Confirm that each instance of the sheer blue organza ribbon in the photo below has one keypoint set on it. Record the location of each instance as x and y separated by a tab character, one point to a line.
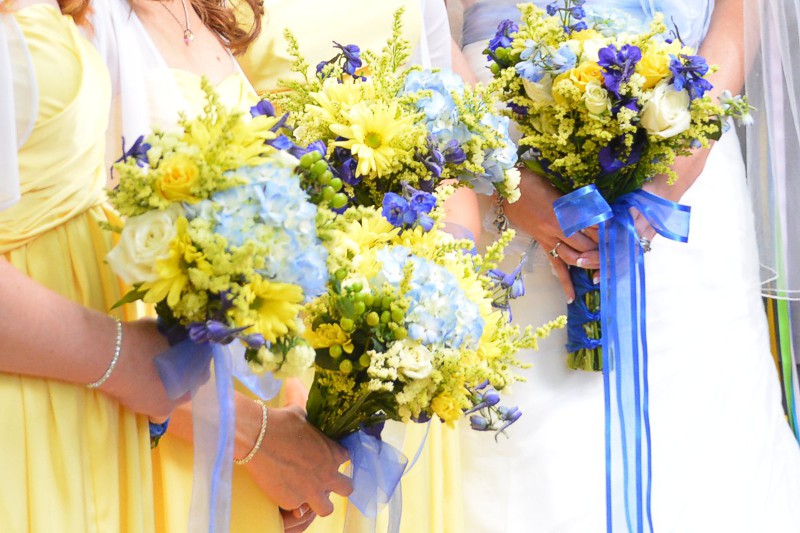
624	342
377	468
185	369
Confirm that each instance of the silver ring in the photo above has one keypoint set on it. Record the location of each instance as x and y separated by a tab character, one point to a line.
554	251
644	242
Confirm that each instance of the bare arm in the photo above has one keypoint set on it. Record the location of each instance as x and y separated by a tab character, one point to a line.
45	335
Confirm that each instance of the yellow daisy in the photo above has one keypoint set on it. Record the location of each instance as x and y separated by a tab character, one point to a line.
374	136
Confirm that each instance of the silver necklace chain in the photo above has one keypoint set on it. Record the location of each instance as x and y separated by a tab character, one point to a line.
188	35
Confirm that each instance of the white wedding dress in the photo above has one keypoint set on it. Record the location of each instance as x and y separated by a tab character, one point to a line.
724	458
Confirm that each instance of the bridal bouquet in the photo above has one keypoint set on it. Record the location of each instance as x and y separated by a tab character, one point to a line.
220	236
412	325
384	126
599	105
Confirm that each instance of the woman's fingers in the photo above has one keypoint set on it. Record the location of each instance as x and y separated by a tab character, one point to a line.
562	272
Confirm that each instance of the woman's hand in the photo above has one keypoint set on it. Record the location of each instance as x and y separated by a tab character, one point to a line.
296	463
534	214
688	169
297	520
135	382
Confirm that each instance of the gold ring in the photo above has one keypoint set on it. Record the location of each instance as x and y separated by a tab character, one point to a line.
554	251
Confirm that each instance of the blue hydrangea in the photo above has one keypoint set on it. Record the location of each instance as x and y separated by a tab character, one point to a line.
496	160
441	115
439	312
273	210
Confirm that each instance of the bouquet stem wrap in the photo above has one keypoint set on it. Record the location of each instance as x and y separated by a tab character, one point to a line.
377	468
185	369
624	339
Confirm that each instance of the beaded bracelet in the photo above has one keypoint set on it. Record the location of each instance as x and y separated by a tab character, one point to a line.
247	458
117	351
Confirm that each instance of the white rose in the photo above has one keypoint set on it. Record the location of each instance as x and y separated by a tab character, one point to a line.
539	91
511	184
666	114
596	98
415	359
592	47
145	239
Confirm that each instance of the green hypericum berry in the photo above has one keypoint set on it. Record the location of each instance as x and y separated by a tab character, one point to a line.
360	307
346	366
347	324
364	360
339	200
341	274
386	317
335	351
400	333
337	184
328	193
373	319
307	160
398	315
495	68
325	178
369	299
319	167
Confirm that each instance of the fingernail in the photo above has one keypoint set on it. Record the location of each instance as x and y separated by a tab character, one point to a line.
583	262
596	280
570	300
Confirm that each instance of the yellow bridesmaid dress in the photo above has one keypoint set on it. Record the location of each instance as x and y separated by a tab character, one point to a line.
71	459
432	488
173	459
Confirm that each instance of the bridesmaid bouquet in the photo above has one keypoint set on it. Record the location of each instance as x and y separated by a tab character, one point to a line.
603	107
411	325
384	126
220	236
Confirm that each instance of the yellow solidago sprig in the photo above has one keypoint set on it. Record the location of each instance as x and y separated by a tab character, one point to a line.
227	248
386	126
410	323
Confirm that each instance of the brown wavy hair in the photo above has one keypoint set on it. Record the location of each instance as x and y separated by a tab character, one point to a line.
228	22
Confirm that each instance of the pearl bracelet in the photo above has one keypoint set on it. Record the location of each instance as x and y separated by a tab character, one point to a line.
117	351
247	458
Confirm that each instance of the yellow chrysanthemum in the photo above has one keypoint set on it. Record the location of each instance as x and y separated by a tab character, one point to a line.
374	136
274	309
335	98
327	335
172	272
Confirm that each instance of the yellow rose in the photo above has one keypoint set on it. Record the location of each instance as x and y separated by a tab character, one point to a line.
585	35
446	408
654	66
177	176
579	77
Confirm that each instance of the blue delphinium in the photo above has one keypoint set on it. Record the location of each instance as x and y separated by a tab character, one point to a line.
439	311
688	72
138	151
407	212
501	39
487	413
348	59
618	65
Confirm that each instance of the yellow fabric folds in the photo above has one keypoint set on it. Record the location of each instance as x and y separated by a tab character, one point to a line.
72	459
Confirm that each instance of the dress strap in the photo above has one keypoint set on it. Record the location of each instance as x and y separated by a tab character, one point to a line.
19	100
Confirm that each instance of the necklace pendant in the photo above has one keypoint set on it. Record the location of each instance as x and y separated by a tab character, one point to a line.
188	36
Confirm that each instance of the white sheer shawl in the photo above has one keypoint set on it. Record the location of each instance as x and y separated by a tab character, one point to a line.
19	100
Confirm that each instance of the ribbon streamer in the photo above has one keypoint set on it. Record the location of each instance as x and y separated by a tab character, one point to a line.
624	342
377	469
185	369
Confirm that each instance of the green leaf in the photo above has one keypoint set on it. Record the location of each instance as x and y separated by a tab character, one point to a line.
133	295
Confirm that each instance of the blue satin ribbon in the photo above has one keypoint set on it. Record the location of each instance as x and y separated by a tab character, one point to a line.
185	369
624	342
377	469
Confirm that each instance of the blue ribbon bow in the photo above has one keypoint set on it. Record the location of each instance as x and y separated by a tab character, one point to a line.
624	339
185	369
